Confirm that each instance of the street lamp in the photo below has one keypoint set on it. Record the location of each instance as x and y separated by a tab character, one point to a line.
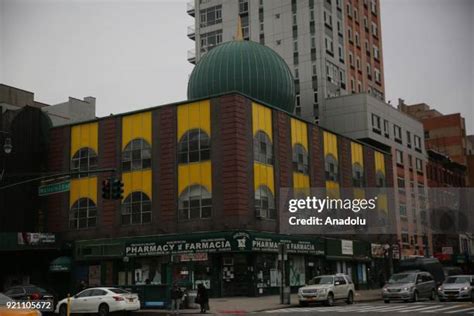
7	148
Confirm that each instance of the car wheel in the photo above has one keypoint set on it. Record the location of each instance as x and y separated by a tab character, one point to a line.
472	296
103	310
303	304
350	298
415	296
433	295
386	301
330	300
63	310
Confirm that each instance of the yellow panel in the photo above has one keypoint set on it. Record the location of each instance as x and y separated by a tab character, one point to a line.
137	181
83	188
194	173
299	133
379	162
382	203
84	135
263	175
300	181
194	115
359	193
330	145
136	126
262	119
356	154
332	190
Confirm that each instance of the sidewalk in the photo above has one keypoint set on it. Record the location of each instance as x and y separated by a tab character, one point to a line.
244	305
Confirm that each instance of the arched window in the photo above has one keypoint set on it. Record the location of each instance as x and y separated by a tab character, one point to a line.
300	159
194	146
380	178
136	155
357	175
136	209
331	168
83	214
264	203
195	202
263	148
85	159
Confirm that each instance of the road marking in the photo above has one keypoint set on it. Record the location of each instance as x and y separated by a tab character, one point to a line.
442	309
421	308
460	310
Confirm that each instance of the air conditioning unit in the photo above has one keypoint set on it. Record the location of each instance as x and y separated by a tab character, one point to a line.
261	213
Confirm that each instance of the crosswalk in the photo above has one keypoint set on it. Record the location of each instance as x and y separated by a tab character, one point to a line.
421	308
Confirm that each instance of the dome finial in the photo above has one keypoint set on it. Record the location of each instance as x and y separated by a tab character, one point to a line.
238	34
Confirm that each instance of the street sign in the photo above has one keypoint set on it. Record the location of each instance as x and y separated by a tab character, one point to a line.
54	188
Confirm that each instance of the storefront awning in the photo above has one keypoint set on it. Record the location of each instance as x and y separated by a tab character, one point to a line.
60	264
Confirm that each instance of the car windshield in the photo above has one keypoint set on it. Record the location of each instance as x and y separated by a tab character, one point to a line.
402	278
458	279
322	280
119	291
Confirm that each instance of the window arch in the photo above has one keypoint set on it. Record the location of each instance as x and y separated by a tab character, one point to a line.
358	180
195	202
263	148
84	159
194	146
300	159
136	209
136	155
264	203
331	168
83	214
380	178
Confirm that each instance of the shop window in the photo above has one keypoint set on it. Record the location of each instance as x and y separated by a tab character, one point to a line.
136	209
194	146
357	175
195	202
300	159
331	168
380	179
83	214
136	155
85	159
263	148
264	203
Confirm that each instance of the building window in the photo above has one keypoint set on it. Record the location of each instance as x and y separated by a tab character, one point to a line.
373	6
418	143
403	210
328	19
366	23
264	203
211	39
397	132
194	146
374	29
349	34
339	28
83	214
136	155
341	54
294	19
408	139
136	209
401	183
377	76
357	175
331	168
358	64
419	165
380	179
85	159
376	53
300	159
211	16
357	39
376	125
399	157
243	6
329	46
262	148
311	15
194	202
351	59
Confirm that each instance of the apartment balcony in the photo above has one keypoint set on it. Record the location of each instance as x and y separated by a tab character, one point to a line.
191	32
192	56
190	8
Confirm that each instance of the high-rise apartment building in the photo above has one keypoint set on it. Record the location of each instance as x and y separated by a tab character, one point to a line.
318	39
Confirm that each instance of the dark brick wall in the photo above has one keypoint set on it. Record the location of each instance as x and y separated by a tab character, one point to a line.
345	161
317	157
369	166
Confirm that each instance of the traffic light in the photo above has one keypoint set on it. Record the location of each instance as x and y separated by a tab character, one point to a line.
106	189
117	189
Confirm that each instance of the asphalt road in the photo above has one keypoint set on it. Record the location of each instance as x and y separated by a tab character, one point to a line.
374	308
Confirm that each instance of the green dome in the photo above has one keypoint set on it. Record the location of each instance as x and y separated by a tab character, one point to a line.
247	67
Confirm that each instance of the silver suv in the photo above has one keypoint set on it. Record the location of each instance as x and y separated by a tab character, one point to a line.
457	287
327	289
409	286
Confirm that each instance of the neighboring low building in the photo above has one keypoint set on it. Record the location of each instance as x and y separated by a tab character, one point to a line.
363	117
71	111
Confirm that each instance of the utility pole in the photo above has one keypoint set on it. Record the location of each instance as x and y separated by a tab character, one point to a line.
284	286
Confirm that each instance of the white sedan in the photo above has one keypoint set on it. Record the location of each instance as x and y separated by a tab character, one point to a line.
100	300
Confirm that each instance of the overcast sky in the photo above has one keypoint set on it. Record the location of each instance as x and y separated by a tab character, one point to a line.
132	54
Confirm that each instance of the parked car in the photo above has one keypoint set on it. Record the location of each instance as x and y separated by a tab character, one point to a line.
449	271
6	311
327	289
28	292
431	265
409	286
457	287
102	300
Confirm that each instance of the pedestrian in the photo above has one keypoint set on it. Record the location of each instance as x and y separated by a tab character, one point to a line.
202	298
176	296
82	286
